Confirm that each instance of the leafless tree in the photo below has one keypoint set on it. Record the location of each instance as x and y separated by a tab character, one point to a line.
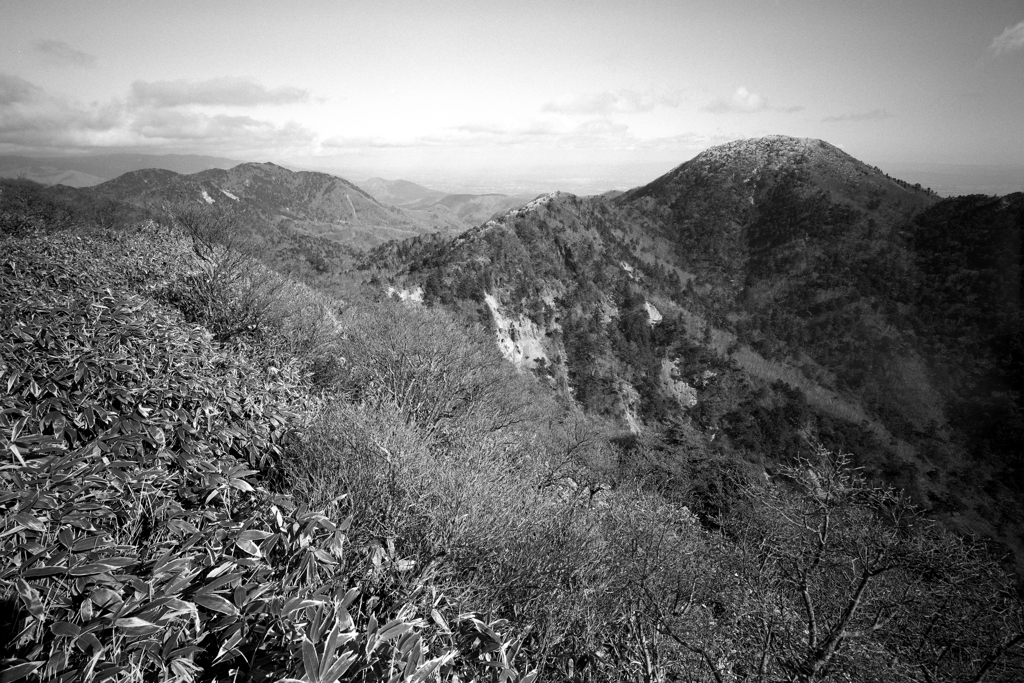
830	578
232	292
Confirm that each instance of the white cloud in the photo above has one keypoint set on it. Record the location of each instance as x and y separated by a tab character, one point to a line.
343	143
688	141
219	131
599	133
197	117
873	115
742	101
610	102
465	135
29	116
232	92
1009	40
33	120
548	135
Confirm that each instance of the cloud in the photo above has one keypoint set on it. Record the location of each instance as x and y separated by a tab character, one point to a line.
232	92
873	115
59	52
342	143
465	135
32	119
546	133
593	134
688	141
219	130
1009	40
742	101
521	130
609	102
14	90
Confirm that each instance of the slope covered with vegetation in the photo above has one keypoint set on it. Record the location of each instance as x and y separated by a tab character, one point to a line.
764	297
273	199
214	472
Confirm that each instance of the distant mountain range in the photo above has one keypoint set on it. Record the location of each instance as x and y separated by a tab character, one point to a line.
469	209
306	223
423	206
84	171
400	192
764	296
315	203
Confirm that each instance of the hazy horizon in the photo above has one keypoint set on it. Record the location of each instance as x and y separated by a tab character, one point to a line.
945	179
509	94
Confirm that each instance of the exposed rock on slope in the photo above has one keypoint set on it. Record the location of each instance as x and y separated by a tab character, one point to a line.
805	296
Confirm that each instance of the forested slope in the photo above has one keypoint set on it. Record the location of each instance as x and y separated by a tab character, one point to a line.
212	471
762	298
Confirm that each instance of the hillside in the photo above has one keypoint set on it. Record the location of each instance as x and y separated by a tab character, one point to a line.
45	173
306	223
399	192
765	296
464	210
216	472
271	196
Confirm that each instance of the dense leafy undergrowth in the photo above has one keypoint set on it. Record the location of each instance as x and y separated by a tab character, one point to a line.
213	473
138	538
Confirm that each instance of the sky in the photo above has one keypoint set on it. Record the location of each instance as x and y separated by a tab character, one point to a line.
502	94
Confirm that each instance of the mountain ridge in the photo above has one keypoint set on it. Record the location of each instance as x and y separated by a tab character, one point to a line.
88	170
729	411
772	260
467	209
273	198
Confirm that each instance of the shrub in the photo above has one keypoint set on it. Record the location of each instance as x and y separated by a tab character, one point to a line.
131	461
137	540
228	291
239	299
830	578
432	372
26	207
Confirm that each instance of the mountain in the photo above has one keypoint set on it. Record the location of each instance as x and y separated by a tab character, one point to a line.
308	224
466	210
274	198
45	173
474	209
764	296
399	192
85	171
194	435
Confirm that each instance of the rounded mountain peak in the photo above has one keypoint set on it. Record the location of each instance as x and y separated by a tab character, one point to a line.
771	152
746	169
